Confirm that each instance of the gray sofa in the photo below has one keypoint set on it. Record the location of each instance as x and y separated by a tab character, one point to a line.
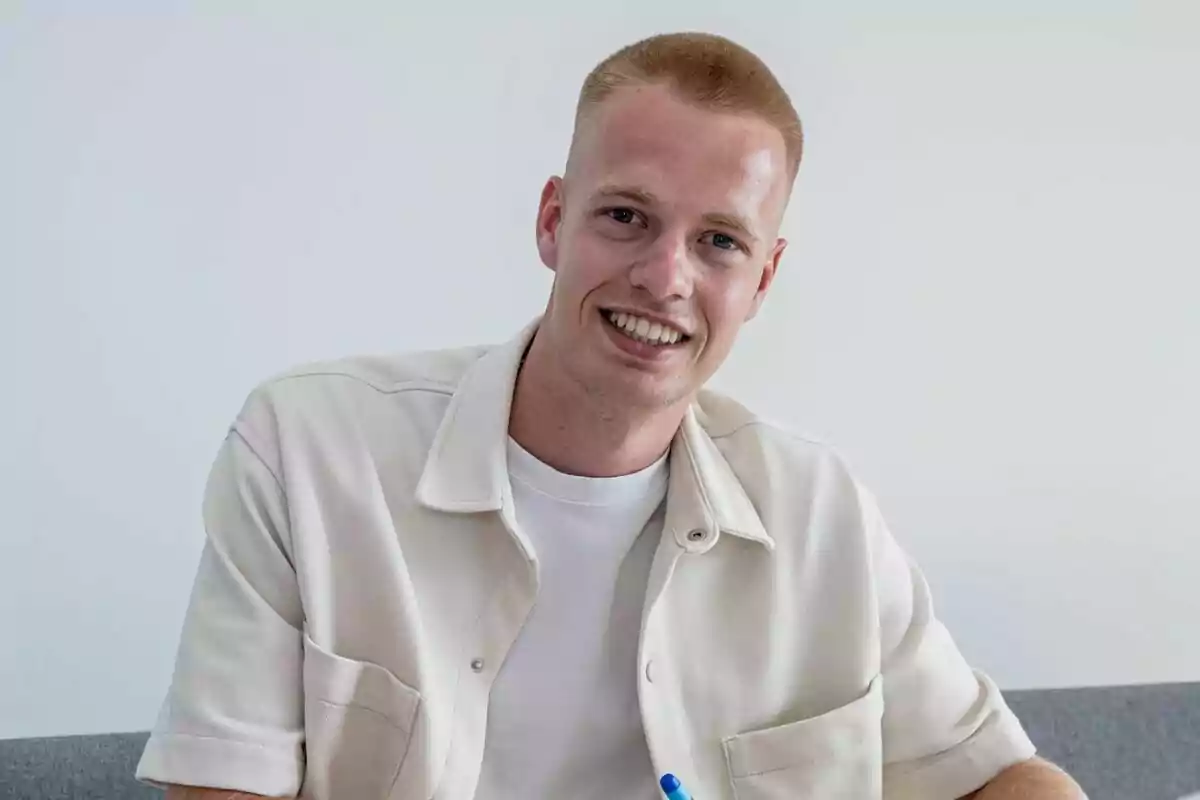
1122	743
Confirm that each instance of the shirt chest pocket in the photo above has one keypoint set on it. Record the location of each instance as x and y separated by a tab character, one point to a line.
836	755
358	720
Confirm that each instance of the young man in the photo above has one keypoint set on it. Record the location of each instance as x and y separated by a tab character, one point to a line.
558	567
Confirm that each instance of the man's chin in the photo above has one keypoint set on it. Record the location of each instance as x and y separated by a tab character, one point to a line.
651	392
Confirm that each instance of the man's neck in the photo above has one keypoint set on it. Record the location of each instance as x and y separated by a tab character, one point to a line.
572	430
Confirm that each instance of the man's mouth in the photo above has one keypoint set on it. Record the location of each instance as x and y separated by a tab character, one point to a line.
644	330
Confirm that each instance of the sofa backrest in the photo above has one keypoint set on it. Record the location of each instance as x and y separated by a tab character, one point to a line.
1135	742
1121	743
96	767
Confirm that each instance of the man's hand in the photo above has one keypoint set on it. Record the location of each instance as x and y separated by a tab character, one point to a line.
1036	779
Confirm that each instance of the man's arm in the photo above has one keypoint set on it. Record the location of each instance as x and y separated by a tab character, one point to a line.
234	713
946	727
1036	779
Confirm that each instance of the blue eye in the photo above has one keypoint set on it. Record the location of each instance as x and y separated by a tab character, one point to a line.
723	242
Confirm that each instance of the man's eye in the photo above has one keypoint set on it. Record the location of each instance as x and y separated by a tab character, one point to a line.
625	216
725	242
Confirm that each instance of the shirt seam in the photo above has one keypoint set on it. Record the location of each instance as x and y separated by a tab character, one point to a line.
418	384
729	770
375	712
237	431
773	427
288	547
169	734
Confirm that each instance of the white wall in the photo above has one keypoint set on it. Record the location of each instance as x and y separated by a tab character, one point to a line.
990	304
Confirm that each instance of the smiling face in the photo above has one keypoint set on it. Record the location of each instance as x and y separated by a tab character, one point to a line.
663	240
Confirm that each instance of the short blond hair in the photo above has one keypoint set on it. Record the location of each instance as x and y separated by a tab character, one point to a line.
705	69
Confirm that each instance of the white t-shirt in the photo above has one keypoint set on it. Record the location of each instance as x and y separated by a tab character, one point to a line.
563	717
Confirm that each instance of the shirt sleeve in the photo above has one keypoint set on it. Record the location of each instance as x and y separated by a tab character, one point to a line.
233	716
946	728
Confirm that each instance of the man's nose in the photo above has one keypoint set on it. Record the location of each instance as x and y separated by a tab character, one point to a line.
665	269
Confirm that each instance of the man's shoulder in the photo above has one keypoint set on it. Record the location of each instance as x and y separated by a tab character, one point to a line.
731	424
383	374
349	388
785	473
757	448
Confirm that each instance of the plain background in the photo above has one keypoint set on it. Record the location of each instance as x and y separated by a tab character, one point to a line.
990	303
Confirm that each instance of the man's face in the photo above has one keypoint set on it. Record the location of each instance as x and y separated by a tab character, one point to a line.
662	237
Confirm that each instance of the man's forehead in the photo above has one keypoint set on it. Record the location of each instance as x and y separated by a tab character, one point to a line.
650	118
650	140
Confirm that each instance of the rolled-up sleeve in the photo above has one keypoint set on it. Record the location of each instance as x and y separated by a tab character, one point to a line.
946	728
233	716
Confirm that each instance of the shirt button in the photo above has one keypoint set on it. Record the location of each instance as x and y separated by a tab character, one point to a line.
696	536
477	665
650	671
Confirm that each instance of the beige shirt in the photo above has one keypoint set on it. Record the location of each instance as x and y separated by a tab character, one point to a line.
364	578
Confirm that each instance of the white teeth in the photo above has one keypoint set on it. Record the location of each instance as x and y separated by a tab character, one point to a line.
643	330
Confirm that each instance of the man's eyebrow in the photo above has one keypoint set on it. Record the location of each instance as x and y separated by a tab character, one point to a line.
732	222
628	193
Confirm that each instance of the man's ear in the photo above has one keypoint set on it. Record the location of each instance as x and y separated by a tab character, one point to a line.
549	221
767	278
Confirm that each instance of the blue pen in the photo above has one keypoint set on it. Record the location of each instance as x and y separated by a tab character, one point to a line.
673	788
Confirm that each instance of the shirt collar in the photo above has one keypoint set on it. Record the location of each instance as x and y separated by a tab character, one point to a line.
467	469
